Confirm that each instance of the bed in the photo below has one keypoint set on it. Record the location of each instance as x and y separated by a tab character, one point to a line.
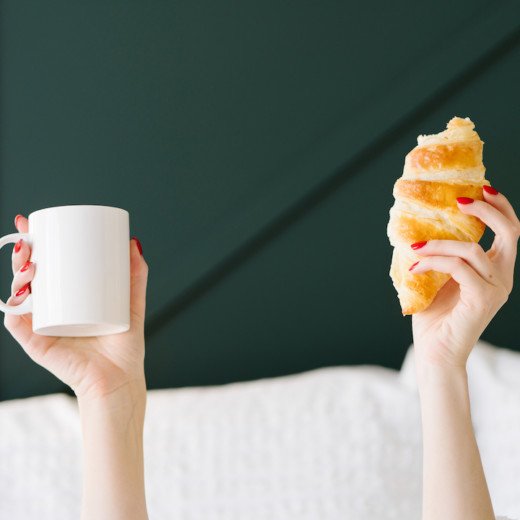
330	443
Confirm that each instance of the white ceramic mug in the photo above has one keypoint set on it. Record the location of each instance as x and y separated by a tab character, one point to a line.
81	283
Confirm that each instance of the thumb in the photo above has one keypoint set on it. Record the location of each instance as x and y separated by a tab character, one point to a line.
138	281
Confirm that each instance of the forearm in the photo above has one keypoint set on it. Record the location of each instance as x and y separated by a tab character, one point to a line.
454	485
113	465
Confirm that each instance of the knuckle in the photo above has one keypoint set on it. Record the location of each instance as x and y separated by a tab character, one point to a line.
490	295
458	262
516	231
513	233
479	302
475	249
502	293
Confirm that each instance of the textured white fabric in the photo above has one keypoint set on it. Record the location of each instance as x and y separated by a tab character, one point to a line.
330	444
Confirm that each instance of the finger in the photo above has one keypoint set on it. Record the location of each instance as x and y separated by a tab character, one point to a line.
19	326
24	275
506	231
470	282
20	255
21	329
138	283
21	250
471	252
500	202
21	223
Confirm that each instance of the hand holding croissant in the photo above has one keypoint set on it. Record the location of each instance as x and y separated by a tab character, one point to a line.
443	277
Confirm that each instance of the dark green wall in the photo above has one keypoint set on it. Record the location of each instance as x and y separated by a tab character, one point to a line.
255	145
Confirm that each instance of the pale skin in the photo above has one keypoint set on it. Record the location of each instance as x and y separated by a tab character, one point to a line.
107	375
454	485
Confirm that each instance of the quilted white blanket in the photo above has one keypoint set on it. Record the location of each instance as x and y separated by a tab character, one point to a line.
329	444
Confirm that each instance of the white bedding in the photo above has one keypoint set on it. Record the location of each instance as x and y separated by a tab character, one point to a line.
330	444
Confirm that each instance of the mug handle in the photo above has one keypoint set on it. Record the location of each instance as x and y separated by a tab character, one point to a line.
26	305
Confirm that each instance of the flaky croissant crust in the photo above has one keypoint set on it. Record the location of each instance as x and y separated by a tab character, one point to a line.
439	169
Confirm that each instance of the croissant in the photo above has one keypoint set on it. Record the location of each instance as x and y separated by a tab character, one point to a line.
439	169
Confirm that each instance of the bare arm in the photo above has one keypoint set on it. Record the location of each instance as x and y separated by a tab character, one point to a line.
107	376
454	485
113	466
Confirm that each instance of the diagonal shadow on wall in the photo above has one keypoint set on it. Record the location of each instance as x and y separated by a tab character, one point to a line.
327	186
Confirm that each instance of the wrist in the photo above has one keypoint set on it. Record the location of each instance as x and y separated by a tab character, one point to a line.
436	375
125	402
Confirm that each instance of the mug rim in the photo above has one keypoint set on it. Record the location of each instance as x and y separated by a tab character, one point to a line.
77	206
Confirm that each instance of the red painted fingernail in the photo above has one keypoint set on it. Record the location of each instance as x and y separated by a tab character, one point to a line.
23	289
412	266
464	200
26	266
16	220
18	245
139	246
418	245
490	190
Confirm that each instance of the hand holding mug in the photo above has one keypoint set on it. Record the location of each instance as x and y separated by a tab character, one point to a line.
92	365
